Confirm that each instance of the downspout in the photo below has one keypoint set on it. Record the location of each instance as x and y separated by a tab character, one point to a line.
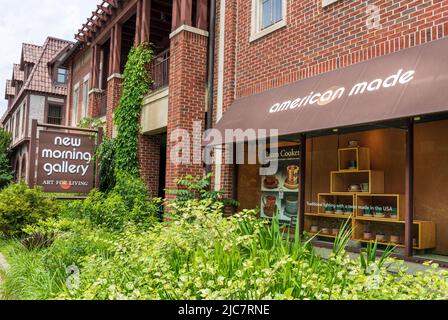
211	72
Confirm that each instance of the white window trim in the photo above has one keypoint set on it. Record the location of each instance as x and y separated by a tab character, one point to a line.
75	109
85	104
256	31
328	2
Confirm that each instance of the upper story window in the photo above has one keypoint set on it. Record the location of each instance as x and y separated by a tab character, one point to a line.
54	114
267	16
62	76
271	11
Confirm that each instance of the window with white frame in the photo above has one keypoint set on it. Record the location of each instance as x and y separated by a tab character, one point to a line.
267	16
75	105
85	97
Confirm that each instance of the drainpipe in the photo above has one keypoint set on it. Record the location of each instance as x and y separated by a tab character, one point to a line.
211	71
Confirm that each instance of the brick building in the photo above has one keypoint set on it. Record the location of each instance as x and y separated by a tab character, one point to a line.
37	90
178	32
279	62
269	58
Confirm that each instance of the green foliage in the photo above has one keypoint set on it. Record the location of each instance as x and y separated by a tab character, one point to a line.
5	140
371	261
136	83
190	188
106	154
127	203
5	168
201	255
21	206
92	123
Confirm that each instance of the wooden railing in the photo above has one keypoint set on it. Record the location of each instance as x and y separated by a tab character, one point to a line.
160	70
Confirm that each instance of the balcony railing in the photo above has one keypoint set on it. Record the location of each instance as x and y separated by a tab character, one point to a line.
103	104
160	70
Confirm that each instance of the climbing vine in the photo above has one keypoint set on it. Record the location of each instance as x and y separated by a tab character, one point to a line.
136	84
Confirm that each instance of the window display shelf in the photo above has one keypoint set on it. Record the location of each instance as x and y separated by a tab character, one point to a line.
336	203
423	232
321	235
351	182
329	215
353	159
370	206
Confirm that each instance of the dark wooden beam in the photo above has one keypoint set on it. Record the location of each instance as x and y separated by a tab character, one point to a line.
302	175
145	21
409	215
202	14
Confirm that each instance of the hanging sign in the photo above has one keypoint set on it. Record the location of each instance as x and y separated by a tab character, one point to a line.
65	162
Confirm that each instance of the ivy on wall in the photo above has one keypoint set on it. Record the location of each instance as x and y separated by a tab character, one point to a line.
136	84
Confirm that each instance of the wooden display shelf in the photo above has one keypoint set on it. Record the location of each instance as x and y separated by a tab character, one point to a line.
424	232
328	215
335	199
321	235
359	154
341	180
380	200
384	243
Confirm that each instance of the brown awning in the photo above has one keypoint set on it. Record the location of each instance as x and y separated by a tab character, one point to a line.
409	83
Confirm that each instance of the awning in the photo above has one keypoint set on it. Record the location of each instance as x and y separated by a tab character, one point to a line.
408	83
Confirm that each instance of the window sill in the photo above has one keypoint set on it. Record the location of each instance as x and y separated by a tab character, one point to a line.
268	30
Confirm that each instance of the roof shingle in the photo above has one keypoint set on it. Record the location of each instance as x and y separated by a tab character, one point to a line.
9	90
31	53
17	74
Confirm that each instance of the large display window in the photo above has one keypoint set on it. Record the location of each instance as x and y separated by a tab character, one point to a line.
360	176
276	195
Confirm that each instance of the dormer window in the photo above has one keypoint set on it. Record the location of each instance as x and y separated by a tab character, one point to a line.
62	76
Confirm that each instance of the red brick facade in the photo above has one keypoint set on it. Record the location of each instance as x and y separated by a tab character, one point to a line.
316	40
94	104
187	96
149	161
113	98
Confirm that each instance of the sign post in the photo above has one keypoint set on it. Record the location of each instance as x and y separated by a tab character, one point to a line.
66	161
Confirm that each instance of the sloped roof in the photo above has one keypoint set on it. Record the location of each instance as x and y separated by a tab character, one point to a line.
31	53
40	79
9	89
17	74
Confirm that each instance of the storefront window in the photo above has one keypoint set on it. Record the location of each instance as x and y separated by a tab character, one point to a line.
358	178
431	184
277	194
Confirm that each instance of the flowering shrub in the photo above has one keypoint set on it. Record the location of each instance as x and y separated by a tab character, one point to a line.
201	255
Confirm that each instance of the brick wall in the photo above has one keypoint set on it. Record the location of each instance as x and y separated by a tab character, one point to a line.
79	69
113	98
149	162
316	40
186	96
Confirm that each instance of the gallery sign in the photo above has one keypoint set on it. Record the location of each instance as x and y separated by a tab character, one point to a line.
65	162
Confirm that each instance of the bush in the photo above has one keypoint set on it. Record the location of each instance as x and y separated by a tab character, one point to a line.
128	202
5	169
201	255
21	206
190	188
106	155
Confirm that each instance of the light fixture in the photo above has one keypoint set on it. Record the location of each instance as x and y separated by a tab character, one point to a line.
335	130
417	118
